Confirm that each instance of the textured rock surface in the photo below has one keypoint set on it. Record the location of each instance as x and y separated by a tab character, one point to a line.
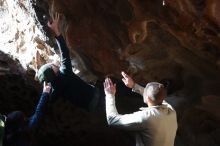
21	36
153	40
177	41
18	89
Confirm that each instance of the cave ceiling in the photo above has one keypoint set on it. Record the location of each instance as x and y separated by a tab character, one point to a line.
152	40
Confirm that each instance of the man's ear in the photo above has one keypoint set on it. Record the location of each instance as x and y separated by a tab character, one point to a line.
149	100
145	98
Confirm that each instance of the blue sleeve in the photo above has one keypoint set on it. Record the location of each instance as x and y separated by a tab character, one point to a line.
34	120
66	66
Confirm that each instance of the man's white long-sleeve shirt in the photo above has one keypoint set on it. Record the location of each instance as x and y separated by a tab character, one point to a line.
153	126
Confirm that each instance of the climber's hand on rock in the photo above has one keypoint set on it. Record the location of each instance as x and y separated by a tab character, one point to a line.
54	25
47	88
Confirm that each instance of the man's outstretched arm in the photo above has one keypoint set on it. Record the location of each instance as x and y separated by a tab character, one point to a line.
39	111
128	121
66	66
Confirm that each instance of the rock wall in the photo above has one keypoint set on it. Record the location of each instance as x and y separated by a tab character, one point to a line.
19	90
22	36
152	40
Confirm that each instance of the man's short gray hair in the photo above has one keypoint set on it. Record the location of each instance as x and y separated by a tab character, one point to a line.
154	90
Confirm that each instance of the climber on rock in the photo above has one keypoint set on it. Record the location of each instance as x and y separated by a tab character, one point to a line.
16	129
64	82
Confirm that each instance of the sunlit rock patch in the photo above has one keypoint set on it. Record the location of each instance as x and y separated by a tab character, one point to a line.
22	36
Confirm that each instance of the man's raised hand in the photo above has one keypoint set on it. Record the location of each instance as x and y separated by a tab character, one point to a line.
109	87
54	25
128	81
47	87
